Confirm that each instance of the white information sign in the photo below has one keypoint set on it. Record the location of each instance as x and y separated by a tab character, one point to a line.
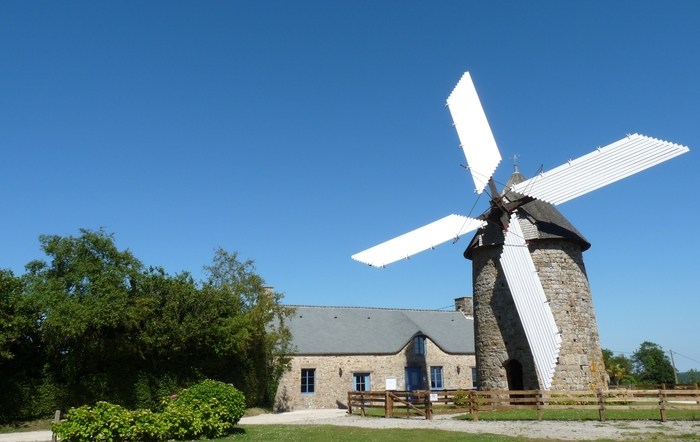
433	397
390	384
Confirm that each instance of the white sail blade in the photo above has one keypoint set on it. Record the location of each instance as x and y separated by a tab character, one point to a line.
599	168
533	308
445	229
474	132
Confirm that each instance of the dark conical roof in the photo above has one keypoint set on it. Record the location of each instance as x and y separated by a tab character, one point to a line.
538	220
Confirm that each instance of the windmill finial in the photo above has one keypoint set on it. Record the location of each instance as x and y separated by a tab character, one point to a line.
515	162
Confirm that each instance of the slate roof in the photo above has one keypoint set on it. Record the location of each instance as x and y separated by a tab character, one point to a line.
538	220
361	331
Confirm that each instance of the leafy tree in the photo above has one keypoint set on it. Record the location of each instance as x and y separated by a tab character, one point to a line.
266	342
84	294
21	362
91	323
691	376
619	367
651	365
13	321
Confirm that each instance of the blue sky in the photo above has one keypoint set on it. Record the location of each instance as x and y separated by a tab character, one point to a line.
300	133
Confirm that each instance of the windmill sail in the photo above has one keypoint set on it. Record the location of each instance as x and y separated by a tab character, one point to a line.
474	132
426	237
533	308
599	168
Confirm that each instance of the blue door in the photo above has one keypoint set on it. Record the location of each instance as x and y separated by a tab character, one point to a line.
413	378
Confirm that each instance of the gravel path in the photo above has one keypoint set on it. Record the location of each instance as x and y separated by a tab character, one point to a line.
568	430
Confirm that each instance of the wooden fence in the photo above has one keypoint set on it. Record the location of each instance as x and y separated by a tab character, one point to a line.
426	403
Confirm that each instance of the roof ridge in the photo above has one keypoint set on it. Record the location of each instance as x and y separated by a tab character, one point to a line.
372	308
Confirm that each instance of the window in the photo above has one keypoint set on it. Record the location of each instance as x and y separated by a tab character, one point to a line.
419	344
474	386
308	380
436	378
361	382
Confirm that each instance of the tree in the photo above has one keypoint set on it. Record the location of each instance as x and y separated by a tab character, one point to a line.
266	342
13	321
92	323
651	365
692	376
85	298
618	367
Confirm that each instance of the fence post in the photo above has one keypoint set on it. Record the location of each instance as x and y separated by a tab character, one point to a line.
662	404
349	402
428	406
388	405
56	419
362	404
601	404
473	405
540	402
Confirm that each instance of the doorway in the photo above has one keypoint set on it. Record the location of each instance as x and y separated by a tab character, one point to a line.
514	372
413	378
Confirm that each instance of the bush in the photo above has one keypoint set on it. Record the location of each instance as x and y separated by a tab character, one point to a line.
231	402
462	398
103	421
208	409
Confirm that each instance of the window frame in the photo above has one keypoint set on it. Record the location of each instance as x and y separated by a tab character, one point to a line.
366	381
308	381
419	346
437	374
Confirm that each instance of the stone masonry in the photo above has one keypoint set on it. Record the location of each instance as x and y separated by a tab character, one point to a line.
334	375
499	333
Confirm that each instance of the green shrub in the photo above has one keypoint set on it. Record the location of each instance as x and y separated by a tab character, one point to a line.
462	398
231	402
104	420
209	409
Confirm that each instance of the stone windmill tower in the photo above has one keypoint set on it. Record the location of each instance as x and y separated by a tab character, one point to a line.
503	356
534	319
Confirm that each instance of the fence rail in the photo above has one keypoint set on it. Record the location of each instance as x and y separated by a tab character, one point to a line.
425	403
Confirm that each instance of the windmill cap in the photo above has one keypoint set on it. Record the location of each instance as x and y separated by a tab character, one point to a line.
539	221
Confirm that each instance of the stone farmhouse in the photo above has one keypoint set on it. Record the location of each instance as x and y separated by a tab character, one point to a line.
339	349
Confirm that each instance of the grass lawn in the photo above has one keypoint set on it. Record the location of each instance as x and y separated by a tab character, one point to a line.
573	415
324	433
587	415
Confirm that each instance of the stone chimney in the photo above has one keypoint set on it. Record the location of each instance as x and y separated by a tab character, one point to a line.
464	305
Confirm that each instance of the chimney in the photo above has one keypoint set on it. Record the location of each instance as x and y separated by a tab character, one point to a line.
464	305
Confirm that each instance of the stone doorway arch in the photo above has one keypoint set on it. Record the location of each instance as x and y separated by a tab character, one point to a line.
514	373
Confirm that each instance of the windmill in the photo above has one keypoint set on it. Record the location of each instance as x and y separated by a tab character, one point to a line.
531	331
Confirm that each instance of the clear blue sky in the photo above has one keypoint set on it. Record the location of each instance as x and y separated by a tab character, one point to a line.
299	133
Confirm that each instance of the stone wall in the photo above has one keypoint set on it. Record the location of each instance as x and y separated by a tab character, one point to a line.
499	334
334	375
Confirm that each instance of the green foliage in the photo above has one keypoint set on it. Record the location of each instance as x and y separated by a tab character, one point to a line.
14	321
91	323
209	409
619	367
231	402
462	399
267	341
104	420
651	365
691	376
